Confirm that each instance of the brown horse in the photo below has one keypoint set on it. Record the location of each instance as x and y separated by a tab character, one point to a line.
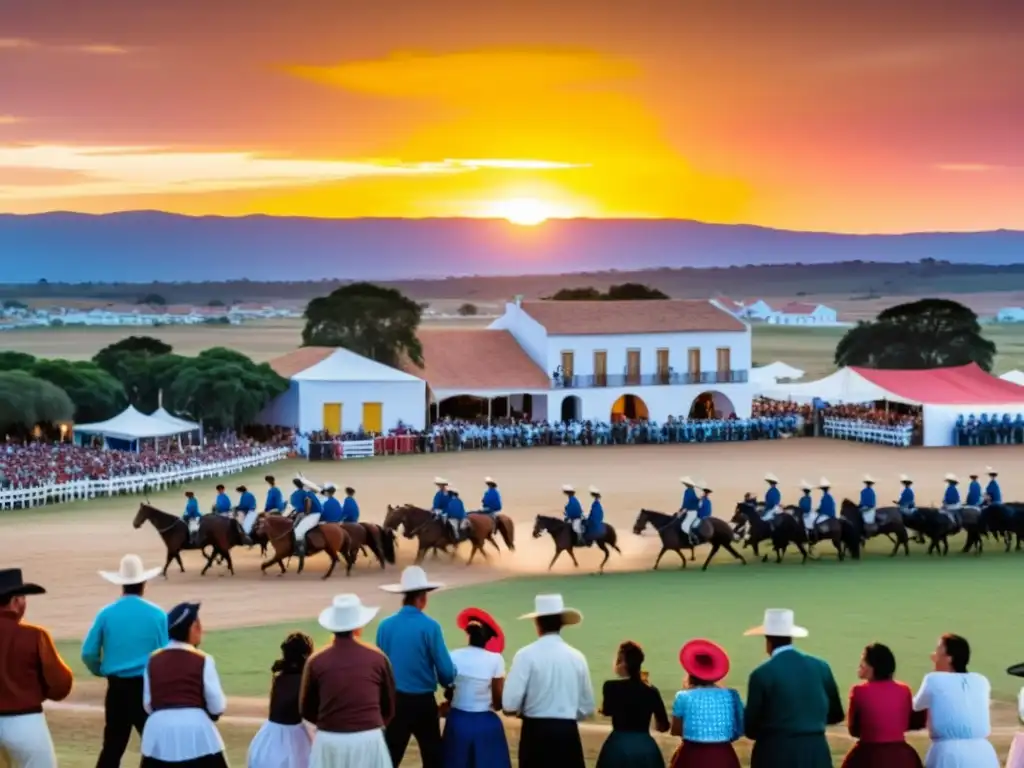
564	537
369	536
218	532
433	533
330	538
712	530
888	522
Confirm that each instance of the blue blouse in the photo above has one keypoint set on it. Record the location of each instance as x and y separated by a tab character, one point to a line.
709	715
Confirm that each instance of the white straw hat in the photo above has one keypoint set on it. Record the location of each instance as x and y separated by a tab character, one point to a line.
951	478
130	572
568	489
806	486
869	479
991	471
440	481
778	622
824	483
686	481
490	481
346	614
770	478
906	479
703	485
330	487
553	605
594	490
414	579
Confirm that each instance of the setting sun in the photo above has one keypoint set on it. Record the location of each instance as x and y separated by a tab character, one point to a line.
524	211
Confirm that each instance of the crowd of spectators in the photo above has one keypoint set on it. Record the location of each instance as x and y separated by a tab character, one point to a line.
352	703
989	429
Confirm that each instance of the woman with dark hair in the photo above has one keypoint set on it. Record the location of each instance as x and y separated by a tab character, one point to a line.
631	701
1016	757
881	710
474	736
707	716
957	705
283	741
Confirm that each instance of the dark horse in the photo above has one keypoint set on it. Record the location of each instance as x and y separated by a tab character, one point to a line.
844	537
786	530
370	536
329	538
434	533
217	532
935	525
711	531
888	522
1004	521
565	539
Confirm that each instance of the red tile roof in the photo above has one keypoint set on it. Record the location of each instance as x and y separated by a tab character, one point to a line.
299	360
476	359
579	318
798	308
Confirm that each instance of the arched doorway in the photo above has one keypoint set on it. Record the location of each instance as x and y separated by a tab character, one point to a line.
465	407
711	405
629	407
572	408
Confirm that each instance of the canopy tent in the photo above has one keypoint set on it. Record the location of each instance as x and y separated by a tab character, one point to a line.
132	425
1014	377
774	372
843	386
164	415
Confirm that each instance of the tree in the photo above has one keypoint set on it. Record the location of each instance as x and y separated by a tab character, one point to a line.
16	361
577	294
467	310
930	333
153	299
143	376
136	345
14	304
378	323
26	401
215	303
223	391
96	394
633	292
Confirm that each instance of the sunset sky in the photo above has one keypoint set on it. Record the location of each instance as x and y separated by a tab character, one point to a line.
864	116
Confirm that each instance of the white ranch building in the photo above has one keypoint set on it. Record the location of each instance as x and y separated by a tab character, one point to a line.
798	313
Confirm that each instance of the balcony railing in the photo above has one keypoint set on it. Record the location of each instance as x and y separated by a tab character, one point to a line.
667	378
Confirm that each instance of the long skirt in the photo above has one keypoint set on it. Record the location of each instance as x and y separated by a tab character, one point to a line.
545	743
698	754
630	749
961	753
809	751
1016	757
474	740
362	749
280	746
206	761
892	755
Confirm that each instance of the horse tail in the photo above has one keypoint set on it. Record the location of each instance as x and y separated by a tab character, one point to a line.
851	537
387	545
507	530
611	538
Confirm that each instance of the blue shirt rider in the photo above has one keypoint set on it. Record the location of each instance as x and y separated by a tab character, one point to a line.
455	512
691	502
705	505
246	502
973	493
299	496
595	519
440	502
827	505
868	499
906	501
191	507
275	499
350	509
573	512
331	507
992	490
222	506
951	498
806	503
315	505
772	497
492	499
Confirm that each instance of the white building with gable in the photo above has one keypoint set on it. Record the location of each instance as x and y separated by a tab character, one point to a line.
799	313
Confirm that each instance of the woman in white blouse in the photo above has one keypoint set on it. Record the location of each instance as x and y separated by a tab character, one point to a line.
957	702
473	733
1016	757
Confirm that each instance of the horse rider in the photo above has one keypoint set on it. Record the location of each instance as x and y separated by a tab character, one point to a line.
192	517
349	508
806	503
593	526
868	501
275	499
332	507
247	506
491	502
298	497
826	507
973	499
308	522
222	505
440	502
455	514
690	505
704	511
951	499
573	512
992	491
906	499
772	498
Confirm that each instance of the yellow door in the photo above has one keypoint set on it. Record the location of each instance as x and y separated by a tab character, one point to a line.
372	417
332	417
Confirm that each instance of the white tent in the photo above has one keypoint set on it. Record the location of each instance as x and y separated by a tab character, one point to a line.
130	424
773	372
843	386
164	415
1014	377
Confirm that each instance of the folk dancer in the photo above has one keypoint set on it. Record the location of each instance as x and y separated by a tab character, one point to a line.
332	507
350	508
247	508
689	508
992	491
311	520
491	502
951	499
117	647
593	526
31	672
573	513
868	502
440	502
455	514
192	517
772	498
275	499
183	695
826	507
283	741
973	492
222	504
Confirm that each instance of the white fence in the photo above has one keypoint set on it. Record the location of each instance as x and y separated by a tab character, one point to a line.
357	449
867	432
20	498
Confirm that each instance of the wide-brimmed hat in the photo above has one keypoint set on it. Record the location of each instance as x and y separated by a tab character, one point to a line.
778	622
990	471
453	491
824	483
869	480
346	614
806	486
704	660
951	478
973	475
13	585
130	571
568	489
414	579
490	481
703	486
553	605
1017	670
906	479
770	478
685	480
329	487
594	490
440	481
497	641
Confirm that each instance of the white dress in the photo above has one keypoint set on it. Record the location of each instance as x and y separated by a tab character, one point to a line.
280	746
958	720
1016	757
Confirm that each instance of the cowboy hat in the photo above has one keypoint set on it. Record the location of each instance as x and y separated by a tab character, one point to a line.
568	489
414	579
440	481
594	490
951	478
346	614
130	571
490	481
330	487
973	475
806	486
1017	670
869	480
12	585
990	471
686	481
453	491
906	479
703	486
778	622
770	478
704	660
497	643
553	605
824	483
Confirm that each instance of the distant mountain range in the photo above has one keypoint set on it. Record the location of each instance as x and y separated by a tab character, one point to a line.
148	246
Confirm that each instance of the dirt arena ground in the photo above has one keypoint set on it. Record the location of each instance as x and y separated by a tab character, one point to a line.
64	547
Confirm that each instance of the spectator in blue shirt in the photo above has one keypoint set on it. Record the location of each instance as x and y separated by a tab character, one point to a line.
992	490
414	643
492	499
350	508
275	499
222	506
118	645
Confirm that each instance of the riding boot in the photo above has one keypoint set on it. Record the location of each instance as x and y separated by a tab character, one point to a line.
300	548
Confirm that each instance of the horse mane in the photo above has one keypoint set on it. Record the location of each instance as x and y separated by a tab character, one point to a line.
159	512
655	513
549	518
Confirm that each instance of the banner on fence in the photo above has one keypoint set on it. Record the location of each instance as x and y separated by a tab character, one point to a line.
357	449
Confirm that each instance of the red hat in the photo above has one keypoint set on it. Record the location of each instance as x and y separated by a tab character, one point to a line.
497	643
704	660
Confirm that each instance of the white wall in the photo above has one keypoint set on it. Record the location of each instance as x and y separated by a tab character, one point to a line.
530	334
661	401
404	401
283	410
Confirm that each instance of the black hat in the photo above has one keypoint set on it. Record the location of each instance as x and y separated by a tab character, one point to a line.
12	584
181	617
1017	670
241	489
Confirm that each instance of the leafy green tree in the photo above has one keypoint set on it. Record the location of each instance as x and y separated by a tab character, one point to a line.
633	292
137	345
143	376
467	310
577	294
930	333
375	322
153	299
223	392
96	394
16	361
26	401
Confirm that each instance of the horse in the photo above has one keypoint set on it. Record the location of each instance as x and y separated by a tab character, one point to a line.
711	530
888	522
843	535
369	536
937	526
330	538
786	530
434	533
215	531
1003	521
565	539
